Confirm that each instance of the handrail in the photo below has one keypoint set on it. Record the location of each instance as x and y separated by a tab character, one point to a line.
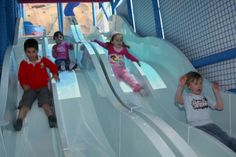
121	103
5	81
3	145
154	121
142	114
163	44
61	128
215	58
6	71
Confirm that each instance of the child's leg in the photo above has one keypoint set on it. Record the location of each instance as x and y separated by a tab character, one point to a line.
44	100
130	80
67	64
23	112
117	71
60	64
47	109
25	105
232	144
218	133
72	65
63	66
51	118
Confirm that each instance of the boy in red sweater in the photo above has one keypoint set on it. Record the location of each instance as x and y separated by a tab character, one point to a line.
33	78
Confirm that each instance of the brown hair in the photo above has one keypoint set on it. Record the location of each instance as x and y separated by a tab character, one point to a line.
192	76
114	35
57	33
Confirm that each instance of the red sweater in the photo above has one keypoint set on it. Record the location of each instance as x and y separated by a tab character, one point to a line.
36	75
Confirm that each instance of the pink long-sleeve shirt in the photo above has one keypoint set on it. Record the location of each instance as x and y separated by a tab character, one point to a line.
116	58
61	51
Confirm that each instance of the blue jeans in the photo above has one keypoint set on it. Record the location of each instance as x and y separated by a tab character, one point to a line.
218	133
59	61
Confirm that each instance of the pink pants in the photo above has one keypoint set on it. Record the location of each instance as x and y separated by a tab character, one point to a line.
121	73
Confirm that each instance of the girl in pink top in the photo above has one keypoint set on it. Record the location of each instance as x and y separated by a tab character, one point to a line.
60	51
117	49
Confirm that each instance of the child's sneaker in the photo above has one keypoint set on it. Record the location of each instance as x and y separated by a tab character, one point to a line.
142	92
72	66
18	124
52	121
63	66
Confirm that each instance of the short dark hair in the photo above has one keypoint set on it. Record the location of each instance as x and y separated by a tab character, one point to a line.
191	76
57	33
31	43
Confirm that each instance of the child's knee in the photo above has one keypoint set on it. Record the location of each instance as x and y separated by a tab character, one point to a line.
46	106
24	108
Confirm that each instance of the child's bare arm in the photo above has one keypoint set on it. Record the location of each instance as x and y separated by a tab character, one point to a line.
219	101
179	92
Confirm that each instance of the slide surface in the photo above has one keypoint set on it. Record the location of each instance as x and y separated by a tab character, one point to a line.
162	65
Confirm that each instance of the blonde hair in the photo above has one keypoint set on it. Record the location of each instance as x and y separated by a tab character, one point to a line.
192	76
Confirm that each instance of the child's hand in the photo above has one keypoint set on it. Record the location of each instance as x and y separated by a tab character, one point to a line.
54	54
25	87
215	86
71	47
56	77
182	80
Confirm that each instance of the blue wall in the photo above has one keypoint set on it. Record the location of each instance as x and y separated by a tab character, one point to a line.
202	29
146	16
8	14
122	10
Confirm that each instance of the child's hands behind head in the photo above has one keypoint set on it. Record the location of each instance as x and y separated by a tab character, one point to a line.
215	86
182	80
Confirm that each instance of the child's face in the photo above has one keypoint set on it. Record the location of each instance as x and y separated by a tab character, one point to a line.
117	41
32	54
196	86
58	38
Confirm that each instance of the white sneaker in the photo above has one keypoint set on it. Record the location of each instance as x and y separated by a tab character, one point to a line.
71	66
142	92
63	66
77	68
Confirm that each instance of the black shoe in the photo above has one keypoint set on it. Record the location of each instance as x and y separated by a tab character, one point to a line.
52	121
18	124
